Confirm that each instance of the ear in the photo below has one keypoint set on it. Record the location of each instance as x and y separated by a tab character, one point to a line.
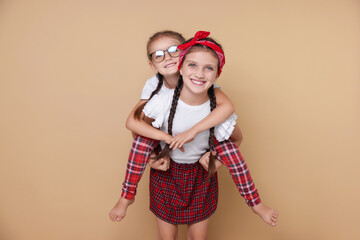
151	64
180	71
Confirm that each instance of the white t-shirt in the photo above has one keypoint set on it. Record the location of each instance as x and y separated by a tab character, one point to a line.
186	116
151	85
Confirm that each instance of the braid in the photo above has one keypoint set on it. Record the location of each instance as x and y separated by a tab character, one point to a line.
212	97
138	111
174	104
158	87
166	150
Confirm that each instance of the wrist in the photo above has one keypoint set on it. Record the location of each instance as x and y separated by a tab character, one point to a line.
195	130
165	137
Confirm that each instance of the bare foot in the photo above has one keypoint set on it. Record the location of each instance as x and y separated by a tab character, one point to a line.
119	210
268	215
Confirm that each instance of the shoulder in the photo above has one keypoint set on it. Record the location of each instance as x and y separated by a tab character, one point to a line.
157	108
159	103
152	81
149	87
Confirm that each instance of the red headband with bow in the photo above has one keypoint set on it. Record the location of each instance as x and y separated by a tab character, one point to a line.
197	40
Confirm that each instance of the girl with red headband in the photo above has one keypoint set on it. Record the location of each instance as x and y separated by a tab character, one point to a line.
191	214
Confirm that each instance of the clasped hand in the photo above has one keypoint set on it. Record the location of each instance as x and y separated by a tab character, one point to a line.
181	138
161	164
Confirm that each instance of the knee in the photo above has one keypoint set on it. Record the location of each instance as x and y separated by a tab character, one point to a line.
196	237
166	236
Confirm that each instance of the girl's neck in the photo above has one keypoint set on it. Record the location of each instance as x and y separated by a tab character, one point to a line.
193	99
171	81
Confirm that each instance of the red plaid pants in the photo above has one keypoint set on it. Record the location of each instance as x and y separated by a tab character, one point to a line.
139	156
227	153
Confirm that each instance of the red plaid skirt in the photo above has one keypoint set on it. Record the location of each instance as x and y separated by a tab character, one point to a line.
183	194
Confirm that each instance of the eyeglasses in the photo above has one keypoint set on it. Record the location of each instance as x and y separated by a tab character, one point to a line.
159	55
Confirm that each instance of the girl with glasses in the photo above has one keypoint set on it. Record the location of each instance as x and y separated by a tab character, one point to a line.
165	60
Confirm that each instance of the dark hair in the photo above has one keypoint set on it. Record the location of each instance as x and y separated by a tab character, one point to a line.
156	36
212	168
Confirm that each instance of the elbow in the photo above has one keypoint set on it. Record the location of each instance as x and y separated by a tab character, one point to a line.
237	139
228	107
129	125
240	140
237	142
232	108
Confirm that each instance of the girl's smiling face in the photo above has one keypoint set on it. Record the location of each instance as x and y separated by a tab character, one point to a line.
169	65
199	70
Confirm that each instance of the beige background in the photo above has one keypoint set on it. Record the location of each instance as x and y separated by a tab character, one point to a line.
71	71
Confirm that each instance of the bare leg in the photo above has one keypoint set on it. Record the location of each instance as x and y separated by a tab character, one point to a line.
166	231
268	215
199	230
119	210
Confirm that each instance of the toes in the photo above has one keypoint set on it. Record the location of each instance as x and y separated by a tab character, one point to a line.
273	220
110	215
275	216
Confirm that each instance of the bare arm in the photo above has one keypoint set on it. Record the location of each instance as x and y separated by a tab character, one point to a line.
222	112
236	136
144	127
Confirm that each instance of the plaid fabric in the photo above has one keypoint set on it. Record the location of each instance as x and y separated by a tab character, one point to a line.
230	156
227	153
183	194
139	155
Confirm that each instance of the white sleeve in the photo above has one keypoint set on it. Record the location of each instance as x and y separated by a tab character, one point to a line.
224	130
149	87
157	108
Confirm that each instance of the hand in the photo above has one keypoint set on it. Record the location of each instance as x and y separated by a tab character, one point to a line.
204	161
180	139
167	138
162	164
